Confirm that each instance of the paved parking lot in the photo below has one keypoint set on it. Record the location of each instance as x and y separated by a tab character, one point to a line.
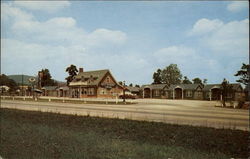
191	112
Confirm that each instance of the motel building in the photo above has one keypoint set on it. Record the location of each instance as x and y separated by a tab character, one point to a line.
191	91
94	84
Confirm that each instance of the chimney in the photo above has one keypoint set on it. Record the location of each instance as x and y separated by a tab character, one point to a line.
80	69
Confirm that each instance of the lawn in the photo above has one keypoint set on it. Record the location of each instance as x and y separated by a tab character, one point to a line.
29	134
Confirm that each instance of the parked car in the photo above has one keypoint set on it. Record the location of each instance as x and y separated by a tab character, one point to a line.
128	96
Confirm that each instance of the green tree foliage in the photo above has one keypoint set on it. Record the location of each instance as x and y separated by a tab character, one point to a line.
244	74
157	77
46	78
226	89
137	85
204	81
5	80
72	70
197	81
186	80
171	75
130	85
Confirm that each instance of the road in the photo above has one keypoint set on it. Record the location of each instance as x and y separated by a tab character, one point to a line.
188	112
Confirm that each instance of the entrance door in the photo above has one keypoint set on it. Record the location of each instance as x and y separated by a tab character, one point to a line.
178	93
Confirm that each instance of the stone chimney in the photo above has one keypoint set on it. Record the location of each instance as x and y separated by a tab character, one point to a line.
80	69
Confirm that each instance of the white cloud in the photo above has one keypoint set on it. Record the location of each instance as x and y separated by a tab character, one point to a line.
189	61
58	30
55	44
237	6
227	38
9	12
48	6
101	35
231	38
204	26
176	54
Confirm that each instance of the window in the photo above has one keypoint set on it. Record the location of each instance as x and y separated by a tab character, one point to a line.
229	95
189	93
171	94
91	91
156	92
108	80
103	91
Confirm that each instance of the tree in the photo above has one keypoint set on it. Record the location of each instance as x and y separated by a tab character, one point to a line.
244	74
46	78
197	81
5	80
157	77
171	75
226	89
137	86
72	70
186	80
204	81
130	85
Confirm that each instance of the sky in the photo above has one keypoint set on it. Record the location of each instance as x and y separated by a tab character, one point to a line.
132	39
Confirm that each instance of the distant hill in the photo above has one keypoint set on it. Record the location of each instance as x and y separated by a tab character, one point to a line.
19	79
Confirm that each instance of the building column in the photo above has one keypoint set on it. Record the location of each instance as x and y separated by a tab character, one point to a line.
210	95
151	93
173	94
182	93
143	93
79	92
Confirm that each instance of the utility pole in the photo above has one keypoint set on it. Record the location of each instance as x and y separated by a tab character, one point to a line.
22	84
124	101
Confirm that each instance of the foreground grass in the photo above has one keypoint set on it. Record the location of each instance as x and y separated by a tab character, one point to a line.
27	134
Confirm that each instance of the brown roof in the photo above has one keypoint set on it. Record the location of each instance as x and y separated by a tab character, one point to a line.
208	87
154	86
91	78
185	86
133	89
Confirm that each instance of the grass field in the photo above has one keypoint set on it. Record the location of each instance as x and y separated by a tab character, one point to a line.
28	135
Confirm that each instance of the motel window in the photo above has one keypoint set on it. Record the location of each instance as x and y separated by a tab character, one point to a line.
166	93
199	94
189	93
157	92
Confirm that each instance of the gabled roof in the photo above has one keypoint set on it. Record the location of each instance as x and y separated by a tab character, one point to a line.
154	86
50	87
208	87
185	86
22	79
133	89
236	86
65	88
91	78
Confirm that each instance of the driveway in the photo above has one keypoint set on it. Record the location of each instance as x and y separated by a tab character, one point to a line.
188	112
